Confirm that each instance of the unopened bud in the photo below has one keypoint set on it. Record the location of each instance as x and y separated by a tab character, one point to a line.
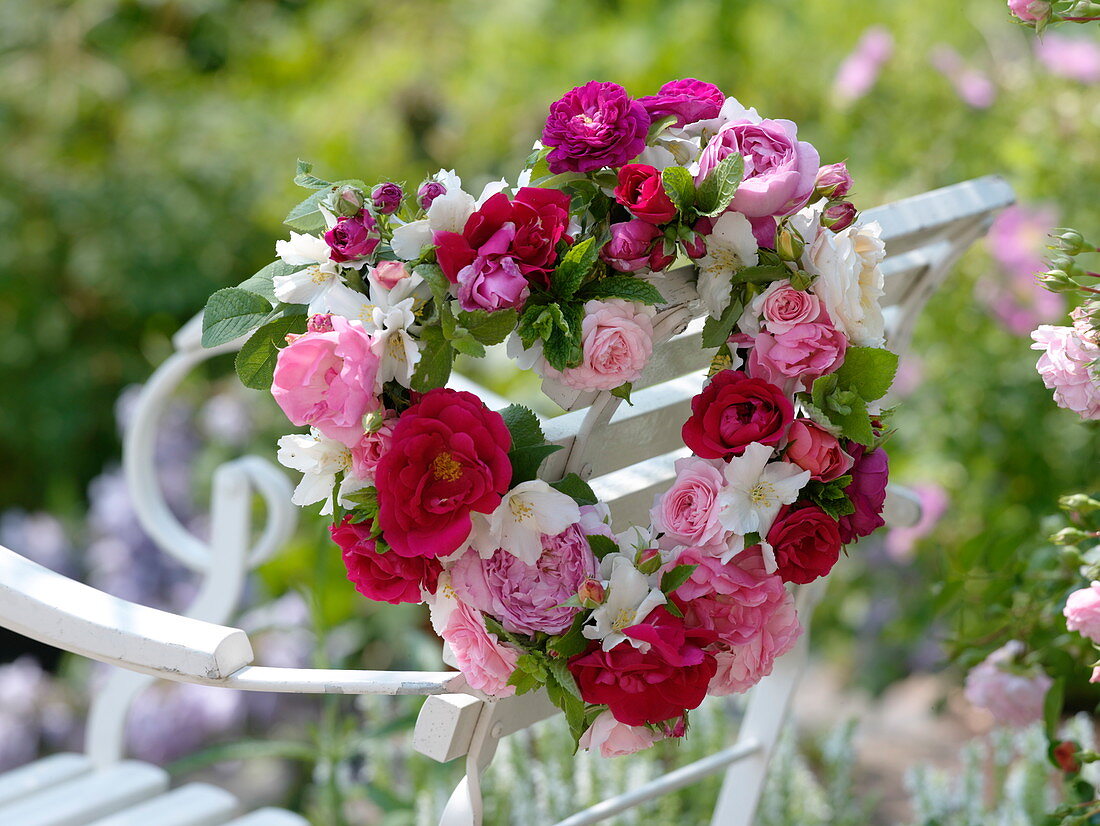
839	216
1057	281
648	560
1069	536
1065	755
1069	241
789	244
1079	502
833	181
428	192
386	198
591	593
347	201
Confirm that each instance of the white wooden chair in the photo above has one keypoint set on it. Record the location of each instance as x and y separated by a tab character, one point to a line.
628	461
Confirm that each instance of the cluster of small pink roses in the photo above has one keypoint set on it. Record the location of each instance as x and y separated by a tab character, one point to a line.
435	498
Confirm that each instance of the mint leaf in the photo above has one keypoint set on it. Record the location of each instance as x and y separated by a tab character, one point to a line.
719	187
524	426
527	460
262	283
230	313
306	180
573	641
869	371
602	545
436	357
622	286
716	331
575	265
762	274
255	363
576	488
306	216
831	496
680	187
673	579
486	327
562	347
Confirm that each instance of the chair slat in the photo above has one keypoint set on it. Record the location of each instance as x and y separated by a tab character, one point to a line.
196	804
41	774
91	796
269	817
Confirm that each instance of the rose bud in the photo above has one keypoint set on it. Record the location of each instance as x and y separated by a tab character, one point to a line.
1069	241
833	181
695	244
428	192
648	560
789	244
663	255
347	202
839	216
386	198
390	273
1065	755
677	729
591	593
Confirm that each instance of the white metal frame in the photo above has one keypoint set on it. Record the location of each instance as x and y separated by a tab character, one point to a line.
925	235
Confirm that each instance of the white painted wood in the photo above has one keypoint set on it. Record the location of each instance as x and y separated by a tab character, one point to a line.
334	681
91	796
41	774
196	804
445	726
269	817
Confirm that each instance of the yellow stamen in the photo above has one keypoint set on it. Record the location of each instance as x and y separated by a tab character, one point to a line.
521	511
445	468
762	493
623	619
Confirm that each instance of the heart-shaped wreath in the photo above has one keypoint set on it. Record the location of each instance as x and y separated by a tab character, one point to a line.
436	498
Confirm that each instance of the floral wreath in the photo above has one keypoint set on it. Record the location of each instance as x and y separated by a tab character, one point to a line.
435	498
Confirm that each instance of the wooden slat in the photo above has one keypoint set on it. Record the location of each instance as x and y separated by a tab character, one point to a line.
91	796
196	804
41	774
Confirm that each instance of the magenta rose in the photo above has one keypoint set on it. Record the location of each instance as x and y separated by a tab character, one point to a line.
640	190
792	360
780	170
386	198
326	380
867	491
813	448
635	245
483	659
527	598
428	192
806	543
690	100
353	237
594	126
385	577
839	216
687	513
742	666
733	411
616	343
448	456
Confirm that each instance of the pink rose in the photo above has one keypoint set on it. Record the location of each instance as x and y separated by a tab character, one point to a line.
1095	678
743	666
813	448
385	577
1064	368
616	340
390	273
353	237
833	181
368	451
326	380
632	245
1082	612
615	739
690	100
1029	11
792	360
687	512
1013	699
784	308
483	661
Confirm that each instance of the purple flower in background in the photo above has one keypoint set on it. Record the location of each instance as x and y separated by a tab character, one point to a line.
1016	242
227	418
690	100
860	69
972	85
40	537
594	126
933	502
1076	58
170	720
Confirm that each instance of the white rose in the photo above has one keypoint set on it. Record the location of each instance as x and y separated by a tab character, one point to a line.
850	281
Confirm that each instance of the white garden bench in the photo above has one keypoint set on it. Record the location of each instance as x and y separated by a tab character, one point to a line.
626	452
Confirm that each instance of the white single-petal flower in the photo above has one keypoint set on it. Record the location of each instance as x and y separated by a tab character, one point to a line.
526	512
410	239
636	538
319	460
490	189
630	597
449	178
310	286
302	250
351	304
756	489
450	211
730	246
397	351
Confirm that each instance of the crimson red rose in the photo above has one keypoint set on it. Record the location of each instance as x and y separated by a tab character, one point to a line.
867	492
669	679
734	411
386	577
640	190
448	456
534	221
806	542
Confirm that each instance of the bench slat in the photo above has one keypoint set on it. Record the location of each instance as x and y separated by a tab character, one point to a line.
196	804
269	817
95	795
42	774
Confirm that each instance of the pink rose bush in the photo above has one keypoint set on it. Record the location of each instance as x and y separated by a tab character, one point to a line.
1082	612
1012	694
1067	367
437	499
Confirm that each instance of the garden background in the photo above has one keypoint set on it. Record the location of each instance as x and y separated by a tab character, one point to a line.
148	154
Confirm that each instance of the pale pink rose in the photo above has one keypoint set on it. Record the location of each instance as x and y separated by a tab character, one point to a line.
615	739
736	599
1083	324
1095	678
743	666
1064	368
792	360
1082	612
617	341
1029	11
813	448
366	454
483	661
1013	699
389	273
784	308
326	380
687	512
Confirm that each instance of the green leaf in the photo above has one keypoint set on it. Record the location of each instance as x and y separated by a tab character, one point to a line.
243	750
716	331
562	348
576	488
573	641
466	344
869	371
559	668
562	690
527	460
657	127
523	681
1052	707
486	327
230	313
574	267
856	424
623	392
306	215
524	426
673	579
263	282
622	286
436	358
719	187
304	179
830	496
255	362
762	274
433	274
680	188
602	545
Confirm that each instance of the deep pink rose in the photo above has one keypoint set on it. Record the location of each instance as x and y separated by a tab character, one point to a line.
633	245
386	577
614	739
386	198
640	190
1082	612
353	237
326	380
833	181
734	410
697	247
448	456
867	491
690	100
735	600
806	543
813	448
687	513
594	126
661	684
792	360
780	170
616	343
428	192
839	216
527	598
484	661
368	451
743	666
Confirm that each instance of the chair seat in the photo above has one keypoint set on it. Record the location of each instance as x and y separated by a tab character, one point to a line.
65	790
